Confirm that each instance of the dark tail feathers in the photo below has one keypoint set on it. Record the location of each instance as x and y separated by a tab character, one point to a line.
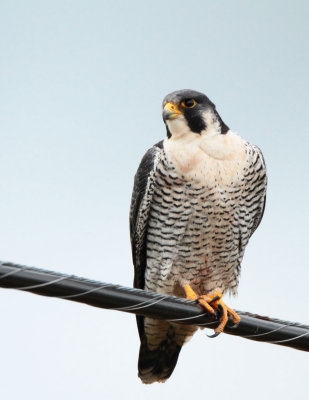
157	365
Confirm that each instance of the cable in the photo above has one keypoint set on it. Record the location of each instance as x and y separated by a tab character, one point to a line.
173	309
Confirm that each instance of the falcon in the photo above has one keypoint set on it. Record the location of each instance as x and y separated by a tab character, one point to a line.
198	196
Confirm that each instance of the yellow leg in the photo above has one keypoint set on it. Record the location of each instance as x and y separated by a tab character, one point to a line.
191	295
215	298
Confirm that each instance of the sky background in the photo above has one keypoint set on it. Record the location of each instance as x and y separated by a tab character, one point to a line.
81	85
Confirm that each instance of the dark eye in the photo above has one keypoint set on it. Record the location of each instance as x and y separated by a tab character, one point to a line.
189	103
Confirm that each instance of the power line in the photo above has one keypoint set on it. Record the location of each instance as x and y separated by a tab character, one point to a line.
173	309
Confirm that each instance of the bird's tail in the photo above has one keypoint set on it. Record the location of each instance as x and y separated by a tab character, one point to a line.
157	365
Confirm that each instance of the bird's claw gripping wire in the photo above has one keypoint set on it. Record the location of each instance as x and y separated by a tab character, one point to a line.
212	303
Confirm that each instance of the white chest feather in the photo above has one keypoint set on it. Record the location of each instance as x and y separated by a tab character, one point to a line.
209	159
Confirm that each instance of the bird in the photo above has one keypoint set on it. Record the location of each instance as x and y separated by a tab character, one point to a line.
198	196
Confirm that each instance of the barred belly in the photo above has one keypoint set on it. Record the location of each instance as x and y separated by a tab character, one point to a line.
197	233
193	235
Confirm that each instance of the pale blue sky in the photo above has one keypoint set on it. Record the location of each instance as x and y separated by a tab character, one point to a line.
81	85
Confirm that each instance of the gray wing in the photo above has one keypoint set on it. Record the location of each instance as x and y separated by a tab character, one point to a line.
139	211
157	364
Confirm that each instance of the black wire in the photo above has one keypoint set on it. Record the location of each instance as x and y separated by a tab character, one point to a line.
173	309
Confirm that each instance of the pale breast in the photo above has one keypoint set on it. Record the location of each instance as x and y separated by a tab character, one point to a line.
199	221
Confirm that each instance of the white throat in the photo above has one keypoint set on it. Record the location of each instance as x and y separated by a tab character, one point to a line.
199	155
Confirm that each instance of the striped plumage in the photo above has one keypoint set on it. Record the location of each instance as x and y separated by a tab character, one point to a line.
197	199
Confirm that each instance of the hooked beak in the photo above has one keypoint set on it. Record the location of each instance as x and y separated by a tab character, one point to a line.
171	111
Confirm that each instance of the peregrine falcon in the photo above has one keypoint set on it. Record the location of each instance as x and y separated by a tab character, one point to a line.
198	197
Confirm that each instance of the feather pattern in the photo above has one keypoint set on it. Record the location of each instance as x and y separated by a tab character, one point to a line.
192	214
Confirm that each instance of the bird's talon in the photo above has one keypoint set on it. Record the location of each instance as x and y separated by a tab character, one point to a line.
214	299
214	305
220	308
214	335
234	326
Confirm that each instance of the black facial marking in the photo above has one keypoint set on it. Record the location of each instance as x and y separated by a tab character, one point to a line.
194	119
168	132
192	112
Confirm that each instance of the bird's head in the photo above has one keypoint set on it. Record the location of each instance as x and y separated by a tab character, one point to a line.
187	111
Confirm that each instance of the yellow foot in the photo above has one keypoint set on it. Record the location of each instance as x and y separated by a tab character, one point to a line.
213	302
